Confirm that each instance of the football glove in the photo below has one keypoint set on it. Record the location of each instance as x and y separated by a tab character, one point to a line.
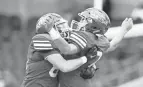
88	72
91	56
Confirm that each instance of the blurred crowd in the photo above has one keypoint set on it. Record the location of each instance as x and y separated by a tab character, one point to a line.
117	67
13	48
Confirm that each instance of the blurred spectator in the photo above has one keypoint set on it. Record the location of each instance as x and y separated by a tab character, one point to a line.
4	28
31	25
15	23
3	19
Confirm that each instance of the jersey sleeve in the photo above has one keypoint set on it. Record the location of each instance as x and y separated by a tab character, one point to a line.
79	40
45	54
42	46
42	42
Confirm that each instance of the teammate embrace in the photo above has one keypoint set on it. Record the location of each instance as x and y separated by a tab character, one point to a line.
61	55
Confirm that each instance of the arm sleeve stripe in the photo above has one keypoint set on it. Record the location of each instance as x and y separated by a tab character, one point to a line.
79	40
80	37
38	48
42	45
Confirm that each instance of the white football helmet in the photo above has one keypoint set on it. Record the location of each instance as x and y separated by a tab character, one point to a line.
52	20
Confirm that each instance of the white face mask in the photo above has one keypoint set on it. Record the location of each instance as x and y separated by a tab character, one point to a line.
75	25
62	25
64	29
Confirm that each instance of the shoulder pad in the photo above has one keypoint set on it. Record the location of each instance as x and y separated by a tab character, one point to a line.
78	39
42	42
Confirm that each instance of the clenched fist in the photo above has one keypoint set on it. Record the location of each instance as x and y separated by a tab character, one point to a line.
127	24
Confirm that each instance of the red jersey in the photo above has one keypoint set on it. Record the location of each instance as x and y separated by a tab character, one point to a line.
37	68
84	41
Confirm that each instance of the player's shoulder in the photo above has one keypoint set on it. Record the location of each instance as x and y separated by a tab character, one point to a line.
101	41
42	42
78	38
42	37
88	37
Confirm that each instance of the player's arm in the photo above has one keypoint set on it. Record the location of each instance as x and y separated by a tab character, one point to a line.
64	46
125	27
42	44
64	65
91	57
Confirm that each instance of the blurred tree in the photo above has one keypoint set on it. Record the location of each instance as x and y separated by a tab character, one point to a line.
70	7
31	25
15	23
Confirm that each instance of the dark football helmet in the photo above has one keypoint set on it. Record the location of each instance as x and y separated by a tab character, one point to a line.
93	20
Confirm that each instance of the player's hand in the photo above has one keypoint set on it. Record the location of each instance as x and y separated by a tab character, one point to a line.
127	24
53	72
48	25
54	34
89	68
45	24
91	56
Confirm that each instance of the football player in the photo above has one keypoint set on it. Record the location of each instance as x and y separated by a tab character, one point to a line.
43	55
91	32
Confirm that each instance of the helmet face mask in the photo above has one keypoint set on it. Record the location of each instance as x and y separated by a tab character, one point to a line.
62	26
80	25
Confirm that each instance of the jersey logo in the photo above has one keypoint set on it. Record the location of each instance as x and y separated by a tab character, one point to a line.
40	42
78	39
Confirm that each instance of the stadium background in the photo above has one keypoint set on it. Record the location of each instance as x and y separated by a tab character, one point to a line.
17	25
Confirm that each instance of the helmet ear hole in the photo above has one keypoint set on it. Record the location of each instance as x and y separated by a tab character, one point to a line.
94	27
